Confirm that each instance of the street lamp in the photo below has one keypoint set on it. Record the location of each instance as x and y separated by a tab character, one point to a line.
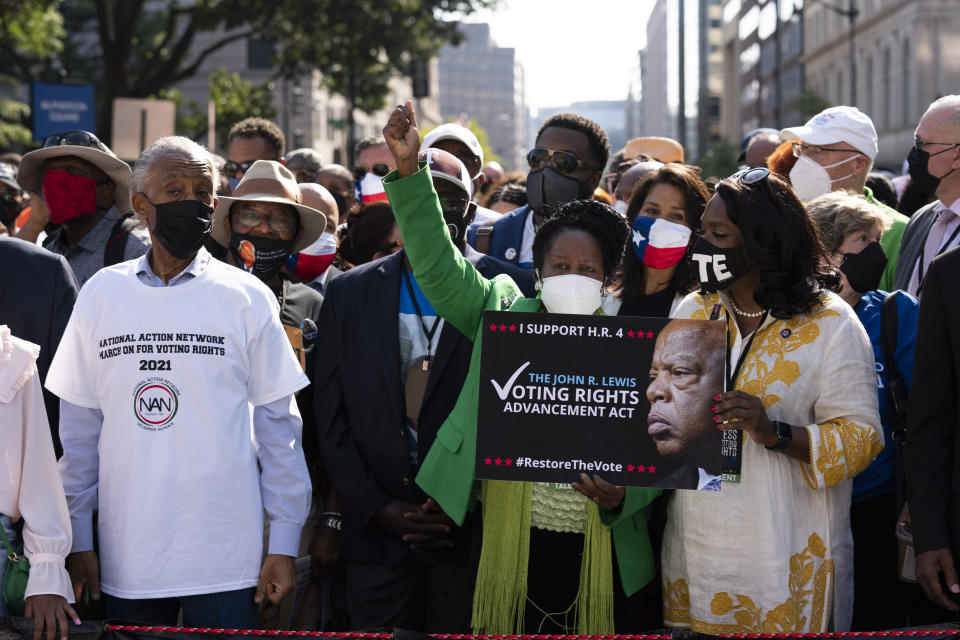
851	15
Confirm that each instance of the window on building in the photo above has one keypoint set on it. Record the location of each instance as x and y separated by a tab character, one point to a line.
259	53
839	91
887	90
868	86
905	83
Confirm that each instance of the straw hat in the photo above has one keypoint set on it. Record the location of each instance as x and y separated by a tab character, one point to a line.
662	149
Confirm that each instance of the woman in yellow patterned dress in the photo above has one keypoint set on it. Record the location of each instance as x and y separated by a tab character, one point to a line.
773	552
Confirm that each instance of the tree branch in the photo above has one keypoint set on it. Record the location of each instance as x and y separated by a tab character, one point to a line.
191	69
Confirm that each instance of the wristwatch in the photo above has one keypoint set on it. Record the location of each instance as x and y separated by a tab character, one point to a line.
784	435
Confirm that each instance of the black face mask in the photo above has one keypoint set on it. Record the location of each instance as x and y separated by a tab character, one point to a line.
717	268
182	226
341	204
864	269
917	161
263	257
547	190
10	210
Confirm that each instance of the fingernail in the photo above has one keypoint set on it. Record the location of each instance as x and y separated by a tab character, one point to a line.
717	418
714	409
719	427
716	397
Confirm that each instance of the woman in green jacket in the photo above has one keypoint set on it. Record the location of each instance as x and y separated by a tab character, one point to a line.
567	586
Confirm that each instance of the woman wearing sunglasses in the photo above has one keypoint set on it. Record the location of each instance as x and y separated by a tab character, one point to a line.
773	552
547	562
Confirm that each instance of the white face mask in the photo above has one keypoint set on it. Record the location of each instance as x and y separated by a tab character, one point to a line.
810	180
570	293
620	207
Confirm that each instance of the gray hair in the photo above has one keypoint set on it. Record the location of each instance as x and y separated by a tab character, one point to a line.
840	213
171	146
951	103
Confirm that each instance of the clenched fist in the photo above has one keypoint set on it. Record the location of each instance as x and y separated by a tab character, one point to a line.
403	138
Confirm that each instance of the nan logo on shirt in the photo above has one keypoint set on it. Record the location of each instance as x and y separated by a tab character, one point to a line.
155	404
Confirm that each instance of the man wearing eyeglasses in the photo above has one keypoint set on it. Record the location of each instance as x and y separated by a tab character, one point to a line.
462	143
565	165
934	161
250	140
835	151
86	190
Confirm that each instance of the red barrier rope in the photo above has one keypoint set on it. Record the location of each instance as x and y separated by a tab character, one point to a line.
457	636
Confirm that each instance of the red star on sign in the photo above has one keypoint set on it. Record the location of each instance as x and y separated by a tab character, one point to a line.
493	327
513	328
649	334
487	461
503	327
629	334
508	462
652	469
639	334
640	468
497	461
629	468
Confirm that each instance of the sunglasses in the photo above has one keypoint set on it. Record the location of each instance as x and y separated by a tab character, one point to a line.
562	161
378	169
457	205
750	176
231	168
281	224
74	138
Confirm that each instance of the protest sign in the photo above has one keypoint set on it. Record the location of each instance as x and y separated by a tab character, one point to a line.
625	398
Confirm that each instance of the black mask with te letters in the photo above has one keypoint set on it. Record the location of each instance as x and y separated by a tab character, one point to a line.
717	268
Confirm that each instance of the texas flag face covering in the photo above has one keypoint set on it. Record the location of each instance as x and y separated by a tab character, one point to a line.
659	243
369	189
309	264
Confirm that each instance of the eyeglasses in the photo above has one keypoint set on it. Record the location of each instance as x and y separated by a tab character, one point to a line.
920	144
562	161
750	176
283	223
457	205
74	138
378	169
305	176
801	149
231	168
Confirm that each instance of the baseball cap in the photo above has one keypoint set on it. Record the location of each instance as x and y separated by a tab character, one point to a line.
838	124
8	176
453	131
747	139
447	166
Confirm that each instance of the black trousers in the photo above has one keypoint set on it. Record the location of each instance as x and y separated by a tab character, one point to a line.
880	599
424	592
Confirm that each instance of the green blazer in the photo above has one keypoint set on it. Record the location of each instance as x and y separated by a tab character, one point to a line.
460	295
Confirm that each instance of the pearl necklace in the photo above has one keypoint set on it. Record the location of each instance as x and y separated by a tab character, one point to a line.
740	312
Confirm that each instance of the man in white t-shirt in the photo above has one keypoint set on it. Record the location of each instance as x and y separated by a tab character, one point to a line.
176	379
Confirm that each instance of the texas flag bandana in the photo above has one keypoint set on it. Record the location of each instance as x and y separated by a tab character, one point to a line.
370	189
659	243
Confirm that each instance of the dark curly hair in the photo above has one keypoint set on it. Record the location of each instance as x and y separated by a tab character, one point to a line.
367	233
597	138
695	192
606	226
782	243
260	128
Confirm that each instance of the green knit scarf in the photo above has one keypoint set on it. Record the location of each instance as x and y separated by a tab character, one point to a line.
500	597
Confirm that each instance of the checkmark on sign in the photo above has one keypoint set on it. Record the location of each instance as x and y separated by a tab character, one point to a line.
504	391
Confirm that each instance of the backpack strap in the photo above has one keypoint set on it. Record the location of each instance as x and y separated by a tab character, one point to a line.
896	392
113	252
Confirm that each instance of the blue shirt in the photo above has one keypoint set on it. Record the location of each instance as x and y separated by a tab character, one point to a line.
877	479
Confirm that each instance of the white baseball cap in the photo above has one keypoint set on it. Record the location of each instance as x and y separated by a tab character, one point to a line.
453	131
838	124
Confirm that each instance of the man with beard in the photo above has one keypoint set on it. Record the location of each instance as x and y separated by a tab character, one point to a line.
565	165
159	370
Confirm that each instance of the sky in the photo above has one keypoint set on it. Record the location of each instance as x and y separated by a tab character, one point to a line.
584	50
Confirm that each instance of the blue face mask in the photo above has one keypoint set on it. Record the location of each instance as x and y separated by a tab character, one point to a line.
233	182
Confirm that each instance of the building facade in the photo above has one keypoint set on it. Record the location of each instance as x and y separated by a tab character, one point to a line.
905	58
479	80
681	74
762	50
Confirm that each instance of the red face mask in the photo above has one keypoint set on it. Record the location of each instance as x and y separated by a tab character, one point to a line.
68	196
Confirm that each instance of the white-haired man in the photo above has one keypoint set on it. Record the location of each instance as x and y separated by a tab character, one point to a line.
157	370
835	151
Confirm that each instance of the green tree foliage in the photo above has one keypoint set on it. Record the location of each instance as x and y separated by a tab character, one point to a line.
31	33
358	45
721	161
482	138
810	104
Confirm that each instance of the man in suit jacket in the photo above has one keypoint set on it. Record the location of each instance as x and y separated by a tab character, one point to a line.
935	167
388	372
932	452
37	292
566	164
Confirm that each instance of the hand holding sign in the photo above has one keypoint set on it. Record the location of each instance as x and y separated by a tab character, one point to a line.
403	138
599	491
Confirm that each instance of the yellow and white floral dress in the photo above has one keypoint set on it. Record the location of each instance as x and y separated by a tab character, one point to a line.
774	552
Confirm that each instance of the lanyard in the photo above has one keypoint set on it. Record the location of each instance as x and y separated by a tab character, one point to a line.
428	334
943	247
732	376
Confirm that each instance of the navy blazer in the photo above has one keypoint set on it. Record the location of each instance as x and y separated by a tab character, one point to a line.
360	407
507	237
37	292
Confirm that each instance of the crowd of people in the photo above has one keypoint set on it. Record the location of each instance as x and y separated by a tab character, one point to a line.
205	363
